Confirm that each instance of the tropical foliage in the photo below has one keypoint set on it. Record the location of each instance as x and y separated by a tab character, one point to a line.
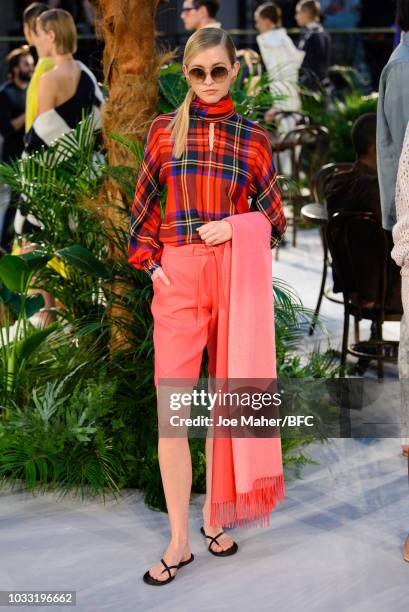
76	414
340	113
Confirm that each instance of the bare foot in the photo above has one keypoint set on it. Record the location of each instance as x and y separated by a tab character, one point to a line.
405	449
172	556
225	541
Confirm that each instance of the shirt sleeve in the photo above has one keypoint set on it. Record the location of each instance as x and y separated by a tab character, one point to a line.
266	194
396	106
144	247
393	116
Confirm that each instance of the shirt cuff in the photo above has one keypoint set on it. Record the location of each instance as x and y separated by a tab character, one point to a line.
150	265
276	238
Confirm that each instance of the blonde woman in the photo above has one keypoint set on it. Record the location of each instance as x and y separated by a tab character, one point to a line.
44	64
281	58
212	160
66	93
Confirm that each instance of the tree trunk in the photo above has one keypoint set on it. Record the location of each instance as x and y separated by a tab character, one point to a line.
131	70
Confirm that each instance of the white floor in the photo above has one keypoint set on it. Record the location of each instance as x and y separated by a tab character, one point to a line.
334	545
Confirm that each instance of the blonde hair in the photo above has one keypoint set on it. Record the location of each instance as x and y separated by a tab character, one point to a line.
313	7
201	40
32	12
62	24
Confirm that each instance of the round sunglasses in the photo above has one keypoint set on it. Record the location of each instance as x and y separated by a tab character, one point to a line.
218	74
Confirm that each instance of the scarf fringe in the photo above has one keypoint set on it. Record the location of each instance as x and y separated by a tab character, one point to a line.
250	509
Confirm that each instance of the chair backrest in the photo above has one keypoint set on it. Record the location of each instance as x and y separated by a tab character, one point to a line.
300	118
358	247
252	59
320	179
309	147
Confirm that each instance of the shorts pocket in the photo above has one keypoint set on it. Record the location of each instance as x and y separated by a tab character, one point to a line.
158	280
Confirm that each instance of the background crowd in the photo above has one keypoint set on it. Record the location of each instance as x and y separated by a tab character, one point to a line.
50	86
47	91
292	63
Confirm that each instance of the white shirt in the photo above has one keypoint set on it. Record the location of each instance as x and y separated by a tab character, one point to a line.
282	60
215	24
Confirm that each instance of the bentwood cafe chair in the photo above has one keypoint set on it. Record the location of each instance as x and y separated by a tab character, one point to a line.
316	213
351	237
300	154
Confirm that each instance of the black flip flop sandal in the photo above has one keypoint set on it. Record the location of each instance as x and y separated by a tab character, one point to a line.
154	582
224	553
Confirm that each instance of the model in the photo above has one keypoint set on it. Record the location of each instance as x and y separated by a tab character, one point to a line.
209	259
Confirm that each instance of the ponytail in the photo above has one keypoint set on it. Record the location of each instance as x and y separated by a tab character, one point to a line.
180	125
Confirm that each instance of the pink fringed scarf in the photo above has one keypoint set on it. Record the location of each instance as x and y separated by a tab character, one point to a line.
247	474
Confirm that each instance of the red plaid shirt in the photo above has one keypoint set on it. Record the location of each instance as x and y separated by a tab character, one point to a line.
214	178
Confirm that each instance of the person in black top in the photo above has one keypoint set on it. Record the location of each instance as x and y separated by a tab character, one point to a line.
197	14
378	47
12	118
13	102
358	190
316	42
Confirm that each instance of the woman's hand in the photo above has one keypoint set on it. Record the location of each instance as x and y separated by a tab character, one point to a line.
159	273
215	232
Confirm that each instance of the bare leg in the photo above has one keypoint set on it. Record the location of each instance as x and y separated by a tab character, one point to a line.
44	316
176	471
225	540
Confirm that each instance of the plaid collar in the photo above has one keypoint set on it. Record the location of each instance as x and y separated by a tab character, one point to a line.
212	111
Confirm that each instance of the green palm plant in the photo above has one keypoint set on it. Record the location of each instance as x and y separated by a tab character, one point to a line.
16	274
58	441
60	188
49	178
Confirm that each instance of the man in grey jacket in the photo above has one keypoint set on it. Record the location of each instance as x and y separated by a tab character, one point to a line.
393	118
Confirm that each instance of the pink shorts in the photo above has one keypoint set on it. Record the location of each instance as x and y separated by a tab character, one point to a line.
185	313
